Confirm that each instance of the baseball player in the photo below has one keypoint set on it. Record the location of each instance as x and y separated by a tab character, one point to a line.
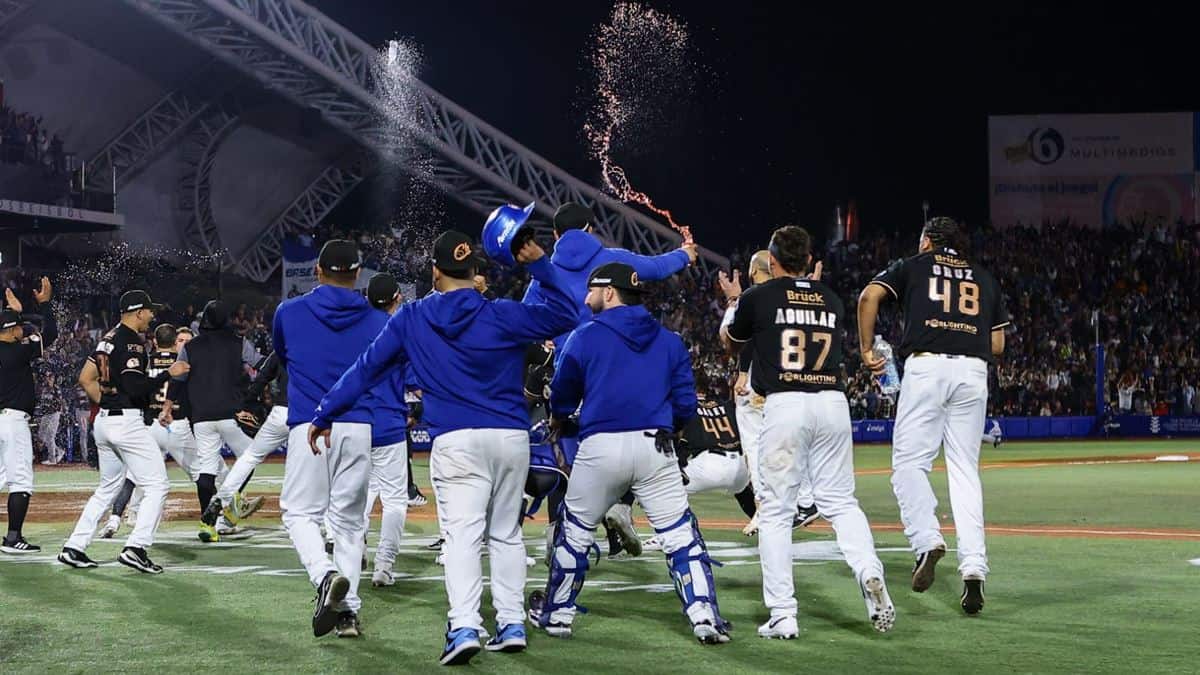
468	354
272	434
115	377
749	405
954	319
18	351
214	391
634	379
317	337
795	326
994	434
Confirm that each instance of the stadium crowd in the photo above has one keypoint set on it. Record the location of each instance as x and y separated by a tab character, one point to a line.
1136	287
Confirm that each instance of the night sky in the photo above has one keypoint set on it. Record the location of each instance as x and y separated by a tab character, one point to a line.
799	109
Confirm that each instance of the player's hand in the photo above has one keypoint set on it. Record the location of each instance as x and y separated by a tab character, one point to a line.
179	368
817	269
247	418
730	288
166	417
42	295
873	363
11	300
689	247
531	251
741	385
315	432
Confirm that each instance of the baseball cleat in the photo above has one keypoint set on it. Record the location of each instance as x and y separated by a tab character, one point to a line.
19	546
437	545
225	529
537	604
111	528
461	645
880	610
76	558
383	578
134	557
652	544
418	500
208	533
922	575
249	506
620	518
972	595
214	511
709	633
751	527
805	516
510	638
330	593
781	628
348	625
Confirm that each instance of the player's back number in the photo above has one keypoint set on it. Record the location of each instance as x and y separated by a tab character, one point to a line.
948	283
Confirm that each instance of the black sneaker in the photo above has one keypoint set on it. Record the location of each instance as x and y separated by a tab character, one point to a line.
19	546
75	558
348	625
437	545
330	593
210	515
805	516
136	558
972	596
922	576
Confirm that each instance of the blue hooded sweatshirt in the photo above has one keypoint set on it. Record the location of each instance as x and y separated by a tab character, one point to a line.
630	372
467	353
389	412
577	253
317	337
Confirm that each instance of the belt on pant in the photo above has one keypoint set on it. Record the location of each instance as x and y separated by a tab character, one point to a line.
15	413
727	453
132	412
917	355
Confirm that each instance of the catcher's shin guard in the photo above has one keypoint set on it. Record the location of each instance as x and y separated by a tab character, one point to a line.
568	567
691	567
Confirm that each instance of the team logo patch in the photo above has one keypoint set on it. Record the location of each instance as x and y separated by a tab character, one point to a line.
131	363
461	252
633	279
35	338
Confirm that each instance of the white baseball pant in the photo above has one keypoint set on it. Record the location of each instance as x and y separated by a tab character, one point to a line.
334	481
48	435
808	432
609	464
272	435
479	479
388	483
943	402
16	451
209	438
724	470
125	444
749	412
177	441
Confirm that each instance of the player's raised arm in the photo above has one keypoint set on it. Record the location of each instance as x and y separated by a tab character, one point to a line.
555	314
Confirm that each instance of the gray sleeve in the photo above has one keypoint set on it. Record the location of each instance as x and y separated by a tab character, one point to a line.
250	355
183	356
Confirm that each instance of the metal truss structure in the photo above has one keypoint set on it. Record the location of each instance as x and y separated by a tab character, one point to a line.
195	187
297	52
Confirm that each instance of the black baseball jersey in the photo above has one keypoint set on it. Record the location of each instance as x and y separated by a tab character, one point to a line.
120	352
795	327
159	361
950	304
713	428
16	373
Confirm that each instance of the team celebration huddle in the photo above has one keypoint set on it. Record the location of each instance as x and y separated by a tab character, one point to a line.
575	396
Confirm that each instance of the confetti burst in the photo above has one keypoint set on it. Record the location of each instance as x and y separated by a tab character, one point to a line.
637	55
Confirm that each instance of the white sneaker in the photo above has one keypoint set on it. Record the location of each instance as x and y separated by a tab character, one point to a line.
751	527
382	578
620	518
652	544
880	610
224	529
111	528
780	627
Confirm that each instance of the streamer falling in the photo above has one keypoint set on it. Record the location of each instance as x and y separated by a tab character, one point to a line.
637	56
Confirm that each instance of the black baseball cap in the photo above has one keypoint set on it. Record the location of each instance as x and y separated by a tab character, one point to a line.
9	318
339	255
382	289
454	251
572	216
617	275
132	301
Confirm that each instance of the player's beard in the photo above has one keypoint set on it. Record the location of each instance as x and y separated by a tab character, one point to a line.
596	306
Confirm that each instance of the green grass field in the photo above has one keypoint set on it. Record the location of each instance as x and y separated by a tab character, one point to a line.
1095	568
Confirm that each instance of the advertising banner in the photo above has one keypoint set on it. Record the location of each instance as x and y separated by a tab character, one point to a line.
299	274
